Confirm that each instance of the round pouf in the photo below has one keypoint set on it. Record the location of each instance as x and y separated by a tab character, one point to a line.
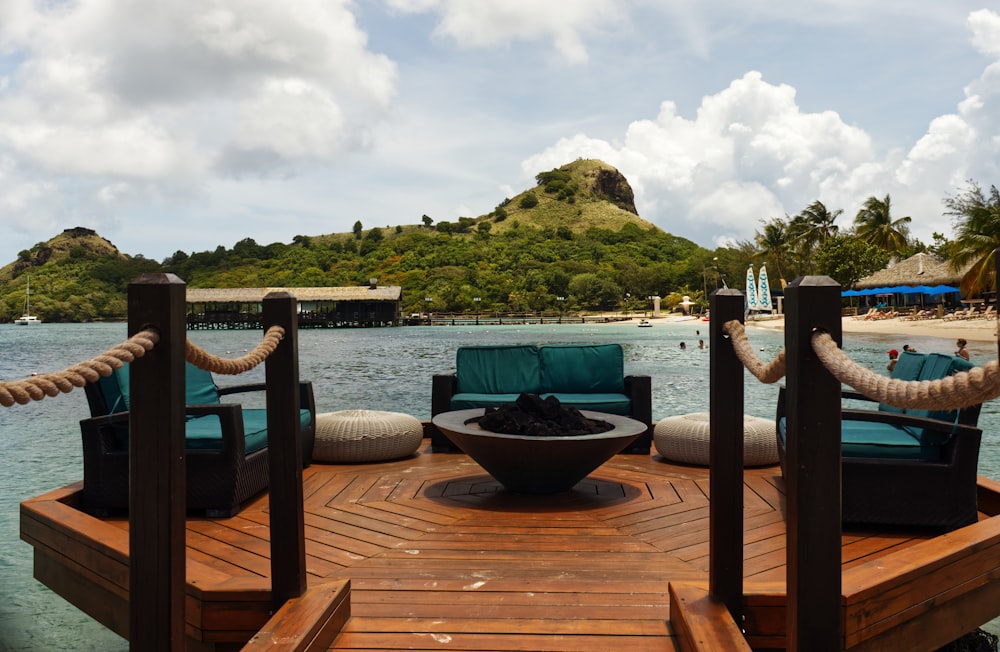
685	438
365	436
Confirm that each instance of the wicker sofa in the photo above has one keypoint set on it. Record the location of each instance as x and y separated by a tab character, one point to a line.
584	376
225	444
907	467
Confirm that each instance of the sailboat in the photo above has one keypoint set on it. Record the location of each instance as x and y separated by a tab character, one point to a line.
751	291
27	318
764	303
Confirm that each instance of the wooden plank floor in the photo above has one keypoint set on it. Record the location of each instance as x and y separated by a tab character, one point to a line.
439	556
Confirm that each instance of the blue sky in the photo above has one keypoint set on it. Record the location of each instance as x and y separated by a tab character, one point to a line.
200	123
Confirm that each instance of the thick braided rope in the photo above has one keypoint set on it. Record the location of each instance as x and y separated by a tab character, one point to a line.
38	387
205	360
960	390
768	373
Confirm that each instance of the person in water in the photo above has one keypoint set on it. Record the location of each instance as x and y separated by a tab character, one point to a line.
893	357
683	345
962	352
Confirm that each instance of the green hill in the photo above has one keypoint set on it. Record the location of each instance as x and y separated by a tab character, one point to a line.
574	235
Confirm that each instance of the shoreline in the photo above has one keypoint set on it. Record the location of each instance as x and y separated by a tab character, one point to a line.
973	330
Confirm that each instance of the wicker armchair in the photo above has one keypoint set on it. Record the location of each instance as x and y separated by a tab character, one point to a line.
908	468
225	444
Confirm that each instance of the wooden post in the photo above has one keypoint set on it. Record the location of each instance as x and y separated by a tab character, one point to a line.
725	529
157	496
284	446
812	477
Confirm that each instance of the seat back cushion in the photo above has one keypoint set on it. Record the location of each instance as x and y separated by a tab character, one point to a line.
199	388
908	367
937	366
497	369
114	389
582	368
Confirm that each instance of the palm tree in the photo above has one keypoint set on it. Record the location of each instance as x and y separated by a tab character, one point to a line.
812	226
874	223
774	242
977	235
820	219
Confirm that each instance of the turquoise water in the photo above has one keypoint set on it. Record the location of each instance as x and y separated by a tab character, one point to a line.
387	369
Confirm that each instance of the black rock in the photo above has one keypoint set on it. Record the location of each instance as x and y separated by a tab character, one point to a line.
538	417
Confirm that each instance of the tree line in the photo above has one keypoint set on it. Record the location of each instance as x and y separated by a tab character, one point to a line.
466	268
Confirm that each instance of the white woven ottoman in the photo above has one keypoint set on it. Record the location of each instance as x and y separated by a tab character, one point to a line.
365	436
685	438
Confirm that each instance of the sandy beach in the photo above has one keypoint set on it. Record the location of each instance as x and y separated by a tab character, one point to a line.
973	330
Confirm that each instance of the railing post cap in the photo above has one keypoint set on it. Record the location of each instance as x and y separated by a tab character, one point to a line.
279	294
158	278
813	281
728	292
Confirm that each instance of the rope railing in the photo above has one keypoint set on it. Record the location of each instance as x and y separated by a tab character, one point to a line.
232	367
960	390
38	387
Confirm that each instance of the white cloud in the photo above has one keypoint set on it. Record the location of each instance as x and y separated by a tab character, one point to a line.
985	27
488	24
749	154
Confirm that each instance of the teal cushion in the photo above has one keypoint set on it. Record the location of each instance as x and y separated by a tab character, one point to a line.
937	366
598	402
469	400
582	368
114	388
255	427
878	440
884	440
497	369
199	388
907	367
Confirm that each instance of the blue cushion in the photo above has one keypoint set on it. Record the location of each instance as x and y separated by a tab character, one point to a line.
907	368
199	388
469	400
597	402
940	365
878	440
582	368
497	369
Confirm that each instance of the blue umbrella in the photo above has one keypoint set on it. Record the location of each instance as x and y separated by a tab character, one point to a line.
943	289
851	293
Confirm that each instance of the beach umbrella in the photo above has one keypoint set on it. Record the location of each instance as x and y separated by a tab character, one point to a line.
943	289
852	293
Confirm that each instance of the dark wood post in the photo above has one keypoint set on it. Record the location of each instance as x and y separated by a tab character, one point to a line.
812	477
725	529
157	496
284	446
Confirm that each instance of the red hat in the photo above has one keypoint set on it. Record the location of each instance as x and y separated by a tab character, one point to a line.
893	353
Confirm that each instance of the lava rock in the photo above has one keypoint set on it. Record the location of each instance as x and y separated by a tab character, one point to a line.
537	417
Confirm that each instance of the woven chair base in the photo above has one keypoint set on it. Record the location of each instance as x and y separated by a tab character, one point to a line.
685	438
365	436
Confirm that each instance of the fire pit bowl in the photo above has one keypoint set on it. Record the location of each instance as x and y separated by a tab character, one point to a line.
537	465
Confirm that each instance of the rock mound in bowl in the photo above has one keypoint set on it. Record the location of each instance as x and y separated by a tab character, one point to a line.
534	416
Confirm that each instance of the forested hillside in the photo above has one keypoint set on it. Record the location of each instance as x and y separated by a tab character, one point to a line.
575	235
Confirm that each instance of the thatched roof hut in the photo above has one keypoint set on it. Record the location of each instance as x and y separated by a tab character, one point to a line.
920	269
256	295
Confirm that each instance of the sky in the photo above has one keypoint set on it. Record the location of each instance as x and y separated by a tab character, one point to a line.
187	125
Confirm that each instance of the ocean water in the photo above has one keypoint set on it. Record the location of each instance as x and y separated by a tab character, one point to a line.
379	369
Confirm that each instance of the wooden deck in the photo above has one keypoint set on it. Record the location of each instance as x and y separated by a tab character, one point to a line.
438	556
